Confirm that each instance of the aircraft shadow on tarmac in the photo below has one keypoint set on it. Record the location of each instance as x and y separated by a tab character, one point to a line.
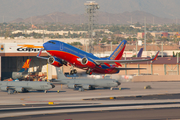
107	89
47	91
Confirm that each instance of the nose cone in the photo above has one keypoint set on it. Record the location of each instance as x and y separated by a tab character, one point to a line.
52	85
45	45
118	83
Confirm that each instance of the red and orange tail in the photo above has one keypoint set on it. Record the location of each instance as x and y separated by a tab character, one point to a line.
25	67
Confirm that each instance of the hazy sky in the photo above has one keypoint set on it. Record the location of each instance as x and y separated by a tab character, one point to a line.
13	9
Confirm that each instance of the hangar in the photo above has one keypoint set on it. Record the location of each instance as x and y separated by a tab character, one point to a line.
13	56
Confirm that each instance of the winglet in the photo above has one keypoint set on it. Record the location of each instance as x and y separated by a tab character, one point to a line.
155	56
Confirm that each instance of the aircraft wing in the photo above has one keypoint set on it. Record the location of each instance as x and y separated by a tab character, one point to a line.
125	61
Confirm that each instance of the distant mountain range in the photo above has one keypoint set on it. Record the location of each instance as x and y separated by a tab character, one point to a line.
13	9
101	18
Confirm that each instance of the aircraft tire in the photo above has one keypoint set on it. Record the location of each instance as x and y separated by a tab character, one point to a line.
10	91
71	72
90	73
75	71
81	89
92	88
25	91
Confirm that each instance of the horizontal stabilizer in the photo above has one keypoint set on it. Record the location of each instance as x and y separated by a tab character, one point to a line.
130	68
125	61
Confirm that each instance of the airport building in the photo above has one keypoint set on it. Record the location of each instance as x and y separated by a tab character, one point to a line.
13	56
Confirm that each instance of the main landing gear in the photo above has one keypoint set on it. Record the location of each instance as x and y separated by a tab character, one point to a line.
88	71
74	71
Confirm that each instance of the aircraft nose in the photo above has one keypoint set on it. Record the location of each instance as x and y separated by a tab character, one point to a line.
52	85
45	46
118	82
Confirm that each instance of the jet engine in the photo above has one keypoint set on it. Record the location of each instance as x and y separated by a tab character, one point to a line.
86	62
71	86
87	87
19	89
83	61
4	88
55	61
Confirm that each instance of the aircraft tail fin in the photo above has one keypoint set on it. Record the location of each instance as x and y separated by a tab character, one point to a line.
140	52
117	54
60	74
25	67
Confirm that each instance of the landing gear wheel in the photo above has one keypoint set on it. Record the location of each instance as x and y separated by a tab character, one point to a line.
75	71
25	91
92	88
10	91
89	71
71	72
81	89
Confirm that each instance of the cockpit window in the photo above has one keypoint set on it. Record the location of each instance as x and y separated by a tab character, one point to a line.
51	42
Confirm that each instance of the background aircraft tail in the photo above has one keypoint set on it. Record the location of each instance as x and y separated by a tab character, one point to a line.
140	52
25	67
60	74
117	54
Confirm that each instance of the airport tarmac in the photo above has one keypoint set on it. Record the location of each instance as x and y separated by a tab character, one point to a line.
73	101
68	95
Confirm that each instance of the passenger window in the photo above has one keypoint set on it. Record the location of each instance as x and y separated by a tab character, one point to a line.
51	42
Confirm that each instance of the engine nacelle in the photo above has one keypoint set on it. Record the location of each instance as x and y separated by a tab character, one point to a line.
19	89
83	61
87	87
4	88
55	61
71	86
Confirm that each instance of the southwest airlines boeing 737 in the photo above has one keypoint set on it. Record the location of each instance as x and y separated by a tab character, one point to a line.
61	53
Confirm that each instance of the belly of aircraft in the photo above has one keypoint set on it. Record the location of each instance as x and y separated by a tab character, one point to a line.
72	59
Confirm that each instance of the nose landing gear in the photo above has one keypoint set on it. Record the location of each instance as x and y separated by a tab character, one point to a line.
89	71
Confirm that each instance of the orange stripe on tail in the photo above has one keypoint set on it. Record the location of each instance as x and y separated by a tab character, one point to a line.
26	64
